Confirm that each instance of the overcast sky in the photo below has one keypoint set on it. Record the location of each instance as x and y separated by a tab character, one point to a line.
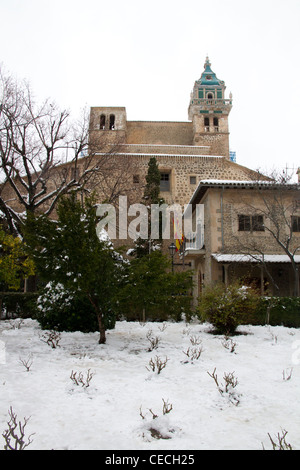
146	56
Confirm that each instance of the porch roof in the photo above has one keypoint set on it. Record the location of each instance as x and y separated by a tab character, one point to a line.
252	258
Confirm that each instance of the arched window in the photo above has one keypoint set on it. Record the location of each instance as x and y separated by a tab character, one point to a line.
216	124
210	96
102	121
206	124
112	122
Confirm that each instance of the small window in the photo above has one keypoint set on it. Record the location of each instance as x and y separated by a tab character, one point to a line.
244	223
248	223
257	223
192	179
206	124
200	93
112	122
136	179
102	121
165	181
216	124
295	224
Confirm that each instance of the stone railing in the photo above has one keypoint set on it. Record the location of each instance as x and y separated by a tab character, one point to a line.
217	103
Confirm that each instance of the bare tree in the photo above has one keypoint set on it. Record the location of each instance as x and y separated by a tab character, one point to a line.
44	155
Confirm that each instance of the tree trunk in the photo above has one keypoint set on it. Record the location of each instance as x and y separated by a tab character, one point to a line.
296	288
102	339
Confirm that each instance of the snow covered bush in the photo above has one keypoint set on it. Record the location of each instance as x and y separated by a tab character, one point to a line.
227	307
62	310
158	427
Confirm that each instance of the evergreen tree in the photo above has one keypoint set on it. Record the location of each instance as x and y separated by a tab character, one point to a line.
70	253
151	196
152	291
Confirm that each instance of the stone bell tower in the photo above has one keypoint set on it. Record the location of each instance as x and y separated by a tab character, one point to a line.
209	111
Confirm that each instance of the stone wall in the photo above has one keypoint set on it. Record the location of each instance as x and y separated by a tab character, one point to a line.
159	133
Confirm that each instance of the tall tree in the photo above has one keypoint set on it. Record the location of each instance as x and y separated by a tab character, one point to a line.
151	196
70	252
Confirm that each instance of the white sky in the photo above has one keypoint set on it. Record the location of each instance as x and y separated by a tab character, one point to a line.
146	55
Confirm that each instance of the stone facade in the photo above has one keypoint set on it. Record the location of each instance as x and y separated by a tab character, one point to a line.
231	250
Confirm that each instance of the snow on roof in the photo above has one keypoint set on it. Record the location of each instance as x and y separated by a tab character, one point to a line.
236	182
251	258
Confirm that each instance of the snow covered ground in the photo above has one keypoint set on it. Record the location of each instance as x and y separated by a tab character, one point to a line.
114	411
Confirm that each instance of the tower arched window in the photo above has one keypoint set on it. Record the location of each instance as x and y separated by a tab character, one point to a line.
216	124
112	122
206	124
102	121
210	96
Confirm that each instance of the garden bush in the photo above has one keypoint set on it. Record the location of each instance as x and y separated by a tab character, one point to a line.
277	311
63	310
227	307
18	304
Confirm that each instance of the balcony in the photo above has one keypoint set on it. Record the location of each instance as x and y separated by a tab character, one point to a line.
194	242
215	103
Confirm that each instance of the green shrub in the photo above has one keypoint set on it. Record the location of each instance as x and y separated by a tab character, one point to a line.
277	311
227	307
63	310
18	304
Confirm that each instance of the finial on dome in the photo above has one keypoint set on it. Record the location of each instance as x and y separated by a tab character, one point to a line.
207	62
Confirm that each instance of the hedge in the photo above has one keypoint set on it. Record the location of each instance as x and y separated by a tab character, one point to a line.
18	304
277	311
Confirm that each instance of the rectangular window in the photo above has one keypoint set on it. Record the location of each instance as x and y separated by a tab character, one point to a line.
295	223
165	181
244	223
258	223
251	223
192	179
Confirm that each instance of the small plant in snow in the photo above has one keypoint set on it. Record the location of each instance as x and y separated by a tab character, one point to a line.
281	443
193	354
287	375
79	379
186	331
163	327
158	427
229	344
153	340
157	365
52	338
15	434
27	363
195	340
16	324
227	388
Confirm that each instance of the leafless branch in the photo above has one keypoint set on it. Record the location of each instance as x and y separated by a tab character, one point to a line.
14	435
